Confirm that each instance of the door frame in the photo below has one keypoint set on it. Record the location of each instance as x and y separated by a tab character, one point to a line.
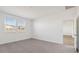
74	34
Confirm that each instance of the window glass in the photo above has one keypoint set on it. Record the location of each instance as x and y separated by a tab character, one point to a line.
21	25
13	25
10	21
10	24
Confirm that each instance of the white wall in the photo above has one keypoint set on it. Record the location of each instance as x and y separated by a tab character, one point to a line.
49	29
68	27
6	37
69	17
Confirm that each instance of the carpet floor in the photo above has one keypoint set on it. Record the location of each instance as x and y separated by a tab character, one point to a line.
35	46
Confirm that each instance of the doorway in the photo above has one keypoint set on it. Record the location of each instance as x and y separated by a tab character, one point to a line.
69	32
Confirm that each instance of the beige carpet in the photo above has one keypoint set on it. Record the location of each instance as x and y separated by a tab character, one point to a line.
35	46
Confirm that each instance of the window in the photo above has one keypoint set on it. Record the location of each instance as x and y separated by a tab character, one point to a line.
1	29
13	25
21	25
10	24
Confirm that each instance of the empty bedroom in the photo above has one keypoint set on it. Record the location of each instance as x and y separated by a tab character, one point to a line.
38	29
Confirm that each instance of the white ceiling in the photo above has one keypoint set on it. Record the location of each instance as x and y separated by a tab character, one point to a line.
32	12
